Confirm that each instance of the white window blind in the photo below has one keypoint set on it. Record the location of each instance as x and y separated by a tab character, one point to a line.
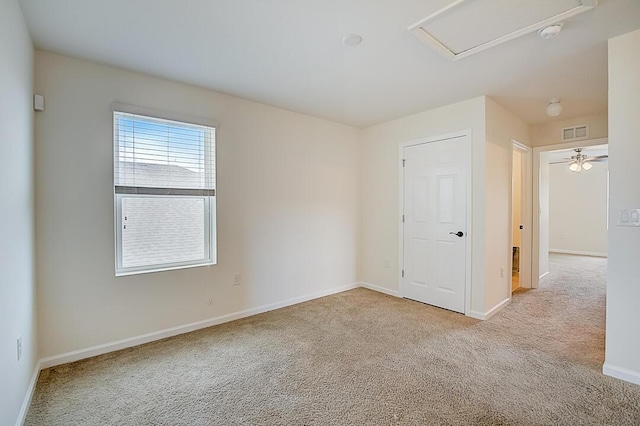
164	189
162	154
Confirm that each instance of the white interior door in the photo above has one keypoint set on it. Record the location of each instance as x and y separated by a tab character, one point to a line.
435	235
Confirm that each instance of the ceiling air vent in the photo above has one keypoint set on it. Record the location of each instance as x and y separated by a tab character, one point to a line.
575	133
466	27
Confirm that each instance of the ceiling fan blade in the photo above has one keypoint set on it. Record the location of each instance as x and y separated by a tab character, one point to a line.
598	158
564	160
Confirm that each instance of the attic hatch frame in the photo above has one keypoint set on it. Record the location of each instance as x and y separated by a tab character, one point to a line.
418	30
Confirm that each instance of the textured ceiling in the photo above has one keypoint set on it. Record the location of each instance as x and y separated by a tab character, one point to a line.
288	53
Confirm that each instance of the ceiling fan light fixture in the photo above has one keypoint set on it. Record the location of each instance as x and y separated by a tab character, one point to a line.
554	108
580	162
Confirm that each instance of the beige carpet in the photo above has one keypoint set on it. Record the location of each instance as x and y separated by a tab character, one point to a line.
363	358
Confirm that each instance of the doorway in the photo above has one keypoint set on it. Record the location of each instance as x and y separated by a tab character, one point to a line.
434	221
521	217
542	239
516	218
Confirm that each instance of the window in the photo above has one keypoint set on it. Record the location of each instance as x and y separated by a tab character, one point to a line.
164	192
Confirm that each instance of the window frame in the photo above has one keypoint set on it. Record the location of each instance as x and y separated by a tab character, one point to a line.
210	223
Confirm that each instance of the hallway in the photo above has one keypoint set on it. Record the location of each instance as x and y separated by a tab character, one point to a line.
565	316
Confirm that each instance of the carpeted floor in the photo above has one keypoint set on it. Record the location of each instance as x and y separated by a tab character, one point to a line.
364	358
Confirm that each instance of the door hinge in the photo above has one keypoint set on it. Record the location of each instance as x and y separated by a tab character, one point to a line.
402	218
403	160
403	273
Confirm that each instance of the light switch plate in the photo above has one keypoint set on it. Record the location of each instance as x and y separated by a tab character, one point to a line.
629	217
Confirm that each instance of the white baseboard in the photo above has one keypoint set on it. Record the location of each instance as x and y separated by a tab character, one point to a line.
621	373
578	253
174	331
491	312
379	289
475	314
27	398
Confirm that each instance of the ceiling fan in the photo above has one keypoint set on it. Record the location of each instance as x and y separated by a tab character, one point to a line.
580	162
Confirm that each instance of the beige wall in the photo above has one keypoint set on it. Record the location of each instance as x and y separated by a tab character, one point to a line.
578	210
17	280
380	189
503	127
288	205
288	208
551	133
493	129
543	229
623	289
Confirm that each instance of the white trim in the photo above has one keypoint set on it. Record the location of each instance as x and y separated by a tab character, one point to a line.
29	395
469	213
569	145
174	331
491	312
621	373
162	114
577	252
476	315
425	37
526	215
380	289
542	276
210	220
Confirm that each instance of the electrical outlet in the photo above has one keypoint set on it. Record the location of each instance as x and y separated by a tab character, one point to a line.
236	279
19	347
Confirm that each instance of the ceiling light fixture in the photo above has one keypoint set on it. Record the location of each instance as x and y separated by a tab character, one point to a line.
554	108
551	31
352	40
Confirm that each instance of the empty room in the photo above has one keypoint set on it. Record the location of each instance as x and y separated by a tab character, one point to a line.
244	212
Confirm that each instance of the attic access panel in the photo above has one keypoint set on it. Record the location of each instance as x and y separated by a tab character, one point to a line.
466	27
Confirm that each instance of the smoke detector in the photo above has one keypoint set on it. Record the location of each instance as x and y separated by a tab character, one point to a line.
551	31
352	40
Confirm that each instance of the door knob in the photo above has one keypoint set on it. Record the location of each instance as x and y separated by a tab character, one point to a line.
459	233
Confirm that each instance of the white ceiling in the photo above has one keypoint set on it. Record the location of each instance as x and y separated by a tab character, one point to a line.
288	53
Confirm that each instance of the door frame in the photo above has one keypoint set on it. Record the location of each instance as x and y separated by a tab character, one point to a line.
526	215
535	240
469	234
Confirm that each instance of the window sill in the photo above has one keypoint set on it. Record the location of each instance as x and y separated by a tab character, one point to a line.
163	269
